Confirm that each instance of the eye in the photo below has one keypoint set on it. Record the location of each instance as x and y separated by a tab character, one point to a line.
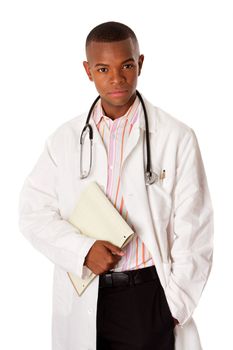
103	70
128	66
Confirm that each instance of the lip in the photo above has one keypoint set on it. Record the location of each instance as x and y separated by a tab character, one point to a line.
118	93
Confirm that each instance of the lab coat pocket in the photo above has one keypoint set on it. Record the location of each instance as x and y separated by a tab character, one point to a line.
160	206
160	201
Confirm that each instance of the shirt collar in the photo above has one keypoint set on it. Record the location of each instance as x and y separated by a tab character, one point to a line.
98	112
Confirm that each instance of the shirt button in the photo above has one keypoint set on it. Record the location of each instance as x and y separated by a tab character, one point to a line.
90	311
111	167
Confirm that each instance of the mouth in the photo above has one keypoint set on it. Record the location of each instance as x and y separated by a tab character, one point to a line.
118	93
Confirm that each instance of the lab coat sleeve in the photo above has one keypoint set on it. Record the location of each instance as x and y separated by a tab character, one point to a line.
192	231
41	222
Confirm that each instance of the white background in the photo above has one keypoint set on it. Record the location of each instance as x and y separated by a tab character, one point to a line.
187	72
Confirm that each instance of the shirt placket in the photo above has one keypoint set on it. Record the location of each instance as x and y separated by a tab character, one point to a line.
112	157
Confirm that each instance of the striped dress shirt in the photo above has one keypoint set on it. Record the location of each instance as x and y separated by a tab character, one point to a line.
115	135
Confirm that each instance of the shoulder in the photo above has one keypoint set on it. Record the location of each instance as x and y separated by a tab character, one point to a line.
66	134
166	125
166	120
70	127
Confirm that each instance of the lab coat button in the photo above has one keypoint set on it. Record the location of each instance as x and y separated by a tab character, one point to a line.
90	311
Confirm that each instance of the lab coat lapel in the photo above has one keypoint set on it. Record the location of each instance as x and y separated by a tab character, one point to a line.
133	184
136	197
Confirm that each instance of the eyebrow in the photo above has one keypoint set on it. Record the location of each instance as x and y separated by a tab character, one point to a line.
107	65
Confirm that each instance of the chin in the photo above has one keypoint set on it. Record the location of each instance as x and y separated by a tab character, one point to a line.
118	100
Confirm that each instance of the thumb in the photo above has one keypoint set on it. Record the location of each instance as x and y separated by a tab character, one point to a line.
114	249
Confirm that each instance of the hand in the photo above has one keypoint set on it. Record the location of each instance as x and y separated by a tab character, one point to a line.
103	256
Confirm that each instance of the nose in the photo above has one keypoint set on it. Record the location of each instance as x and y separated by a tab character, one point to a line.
117	77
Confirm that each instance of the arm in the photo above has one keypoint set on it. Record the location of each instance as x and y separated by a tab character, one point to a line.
40	220
192	228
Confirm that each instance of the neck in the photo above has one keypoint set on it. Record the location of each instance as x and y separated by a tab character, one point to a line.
115	112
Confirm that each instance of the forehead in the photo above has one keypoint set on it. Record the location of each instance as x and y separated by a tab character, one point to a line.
111	51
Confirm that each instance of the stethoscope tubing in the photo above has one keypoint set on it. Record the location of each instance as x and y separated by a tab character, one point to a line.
150	175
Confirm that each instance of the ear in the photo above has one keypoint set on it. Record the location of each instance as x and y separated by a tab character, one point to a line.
88	70
140	63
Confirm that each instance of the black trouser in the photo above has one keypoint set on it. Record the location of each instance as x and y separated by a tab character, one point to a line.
134	317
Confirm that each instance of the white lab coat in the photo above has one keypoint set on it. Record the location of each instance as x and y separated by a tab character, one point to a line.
173	218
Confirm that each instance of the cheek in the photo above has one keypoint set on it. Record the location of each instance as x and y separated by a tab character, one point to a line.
133	75
132	79
100	81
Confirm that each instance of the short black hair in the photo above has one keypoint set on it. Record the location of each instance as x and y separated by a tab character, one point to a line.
109	32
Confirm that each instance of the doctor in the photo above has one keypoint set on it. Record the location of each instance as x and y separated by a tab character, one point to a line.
145	294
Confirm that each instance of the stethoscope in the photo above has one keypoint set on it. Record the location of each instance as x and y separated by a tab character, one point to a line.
150	176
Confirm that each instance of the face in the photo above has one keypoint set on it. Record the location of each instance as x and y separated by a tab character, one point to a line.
114	68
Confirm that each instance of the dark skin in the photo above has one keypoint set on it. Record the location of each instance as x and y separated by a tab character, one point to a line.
114	68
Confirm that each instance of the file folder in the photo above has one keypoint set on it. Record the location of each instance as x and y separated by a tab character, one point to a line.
95	216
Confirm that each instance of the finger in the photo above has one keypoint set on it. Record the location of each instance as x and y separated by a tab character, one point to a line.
116	258
114	249
118	252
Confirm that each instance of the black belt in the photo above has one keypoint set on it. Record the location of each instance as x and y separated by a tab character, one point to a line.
128	278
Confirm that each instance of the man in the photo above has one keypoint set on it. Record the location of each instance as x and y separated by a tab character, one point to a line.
145	294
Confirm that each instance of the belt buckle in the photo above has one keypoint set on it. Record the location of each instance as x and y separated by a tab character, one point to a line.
120	279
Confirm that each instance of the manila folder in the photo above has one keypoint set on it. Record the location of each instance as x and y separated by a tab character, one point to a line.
96	217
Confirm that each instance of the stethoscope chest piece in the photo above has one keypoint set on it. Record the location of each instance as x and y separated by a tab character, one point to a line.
151	177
